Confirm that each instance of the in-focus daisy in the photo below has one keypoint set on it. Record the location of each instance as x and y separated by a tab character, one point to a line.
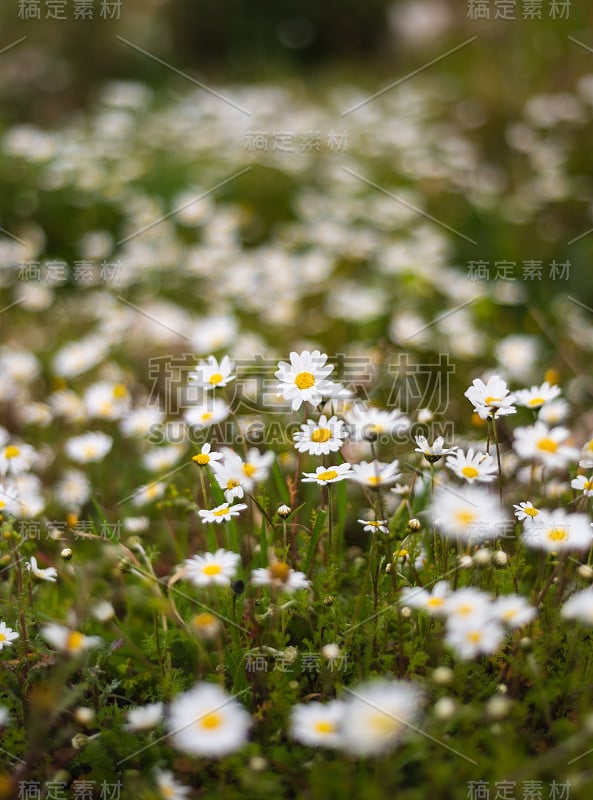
472	466
143	718
208	413
482	638
48	574
322	437
525	511
432	602
435	451
317	724
206	721
280	576
235	476
222	513
367	423
7	635
68	641
211	374
537	396
88	447
513	610
583	484
16	458
377	714
324	475
206	456
375	474
304	380
549	445
169	788
556	531
579	606
374	525
217	568
469	514
490	399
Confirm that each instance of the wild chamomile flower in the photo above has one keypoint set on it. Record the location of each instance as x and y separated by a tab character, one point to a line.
537	396
105	400
557	531
467	607
377	714
206	456
324	475
160	459
16	458
549	445
140	421
7	635
374	525
206	721
513	610
579	606
48	574
143	718
280	576
472	466
317	724
525	511
586	461
554	412
375	474
205	625
469	514
9	499
435	451
367	423
68	641
78	357
169	788
483	637
583	484
304	380
211	374
205	414
235	476
88	447
148	493
73	490
222	513
490	399
217	568
432	602
322	437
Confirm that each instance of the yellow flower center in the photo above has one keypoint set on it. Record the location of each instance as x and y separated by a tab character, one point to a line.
152	491
588	485
232	484
206	416
90	451
304	380
74	640
383	724
324	726
328	475
2	504
531	512
212	569
470	472
279	571
11	451
508	615
558	535
215	378
435	602
465	516
106	408
168	792
221	512
491	400
465	609
2	637
536	401
321	435
201	459
547	445
120	391
249	470
204	620
474	637
211	721
374	480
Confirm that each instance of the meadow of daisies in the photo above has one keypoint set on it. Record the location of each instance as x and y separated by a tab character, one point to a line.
296	446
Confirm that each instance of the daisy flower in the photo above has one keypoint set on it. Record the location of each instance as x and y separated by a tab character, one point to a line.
433	452
579	606
368	423
206	456
586	461
16	459
554	412
377	714
280	576
546	444
322	437
317	724
78	357
324	475
537	396
107	400
484	637
205	414
431	602
374	525
490	399
217	568
205	625
513	610
556	531
235	476
469	514
88	447
9	502
583	484
525	511
206	721
141	421
68	641
74	489
211	374
467	607
222	513
49	574
304	380
169	788
143	718
375	473
472	467
7	635
148	493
